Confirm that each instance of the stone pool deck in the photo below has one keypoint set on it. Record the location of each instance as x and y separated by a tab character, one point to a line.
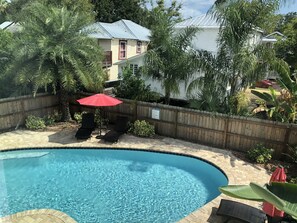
238	171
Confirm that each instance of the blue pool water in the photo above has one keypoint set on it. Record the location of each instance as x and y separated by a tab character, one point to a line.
106	185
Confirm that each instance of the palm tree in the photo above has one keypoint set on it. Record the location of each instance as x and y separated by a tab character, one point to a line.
170	58
3	6
237	63
52	49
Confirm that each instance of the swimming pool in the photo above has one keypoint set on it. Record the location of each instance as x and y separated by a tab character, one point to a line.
107	185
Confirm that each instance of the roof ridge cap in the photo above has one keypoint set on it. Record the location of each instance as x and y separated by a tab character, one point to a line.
123	21
105	29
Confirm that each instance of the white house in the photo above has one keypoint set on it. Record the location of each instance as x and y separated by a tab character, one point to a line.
205	39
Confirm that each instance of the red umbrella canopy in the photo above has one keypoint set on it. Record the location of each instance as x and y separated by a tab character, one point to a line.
278	175
99	100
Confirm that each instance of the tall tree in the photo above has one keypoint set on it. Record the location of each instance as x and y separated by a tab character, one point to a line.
114	10
3	10
53	49
238	63
158	6
170	58
287	47
7	85
16	13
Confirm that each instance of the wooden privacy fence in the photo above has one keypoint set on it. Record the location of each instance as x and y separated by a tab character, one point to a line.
13	111
219	130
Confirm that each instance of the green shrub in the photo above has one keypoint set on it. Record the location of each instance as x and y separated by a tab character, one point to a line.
292	153
239	103
52	118
142	128
133	87
260	154
78	116
33	122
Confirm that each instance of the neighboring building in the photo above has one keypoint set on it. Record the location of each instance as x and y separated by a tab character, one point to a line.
273	37
206	39
120	41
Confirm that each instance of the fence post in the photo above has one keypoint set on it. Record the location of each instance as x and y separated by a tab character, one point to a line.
135	110
175	123
225	132
286	139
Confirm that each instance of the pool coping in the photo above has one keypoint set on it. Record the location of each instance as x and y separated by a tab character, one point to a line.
179	147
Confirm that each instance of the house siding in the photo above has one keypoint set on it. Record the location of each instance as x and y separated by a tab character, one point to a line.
113	45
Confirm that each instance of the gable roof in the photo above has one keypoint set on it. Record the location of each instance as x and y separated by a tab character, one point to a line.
201	21
273	37
122	29
275	34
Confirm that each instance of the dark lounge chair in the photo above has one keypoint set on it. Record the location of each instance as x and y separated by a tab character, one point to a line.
121	127
241	212
87	126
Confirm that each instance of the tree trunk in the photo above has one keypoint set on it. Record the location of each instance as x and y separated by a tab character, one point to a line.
167	96
64	104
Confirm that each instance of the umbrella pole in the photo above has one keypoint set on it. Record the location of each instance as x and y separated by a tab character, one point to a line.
100	122
99	112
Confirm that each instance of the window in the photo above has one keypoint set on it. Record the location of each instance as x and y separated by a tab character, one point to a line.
123	50
134	68
138	47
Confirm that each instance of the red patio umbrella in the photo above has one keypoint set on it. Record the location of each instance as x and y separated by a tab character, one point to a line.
278	175
99	100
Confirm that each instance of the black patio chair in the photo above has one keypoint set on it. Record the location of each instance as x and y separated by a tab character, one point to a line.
121	127
241	212
87	126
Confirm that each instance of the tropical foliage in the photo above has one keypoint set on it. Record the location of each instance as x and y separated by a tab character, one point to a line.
292	153
281	108
133	87
7	85
53	50
151	10
170	58
287	47
281	195
238	62
260	154
15	8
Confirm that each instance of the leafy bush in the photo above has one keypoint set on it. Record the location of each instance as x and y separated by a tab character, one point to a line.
239	103
260	154
78	116
52	118
133	87
293	153
142	128
33	122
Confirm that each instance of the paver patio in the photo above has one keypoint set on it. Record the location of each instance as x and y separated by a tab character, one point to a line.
238	171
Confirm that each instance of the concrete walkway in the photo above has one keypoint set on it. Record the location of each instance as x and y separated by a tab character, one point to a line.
238	171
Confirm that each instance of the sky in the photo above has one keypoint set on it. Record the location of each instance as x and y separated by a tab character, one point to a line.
192	8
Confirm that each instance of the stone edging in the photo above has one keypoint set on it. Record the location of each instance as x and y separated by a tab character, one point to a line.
31	216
